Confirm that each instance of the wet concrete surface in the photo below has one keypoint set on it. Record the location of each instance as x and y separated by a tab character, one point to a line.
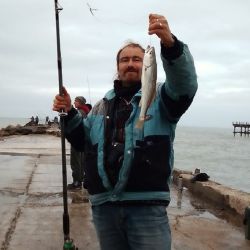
32	205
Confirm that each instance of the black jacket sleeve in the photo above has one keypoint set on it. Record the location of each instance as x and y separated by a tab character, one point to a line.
74	130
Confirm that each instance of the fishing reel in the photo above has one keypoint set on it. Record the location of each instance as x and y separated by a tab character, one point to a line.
69	245
62	113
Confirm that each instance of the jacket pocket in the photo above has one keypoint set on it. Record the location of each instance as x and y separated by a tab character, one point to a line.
92	178
151	168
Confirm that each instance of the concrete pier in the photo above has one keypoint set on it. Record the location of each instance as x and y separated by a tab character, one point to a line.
31	205
242	128
215	193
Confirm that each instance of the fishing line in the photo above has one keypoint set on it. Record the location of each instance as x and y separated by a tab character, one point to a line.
97	13
150	41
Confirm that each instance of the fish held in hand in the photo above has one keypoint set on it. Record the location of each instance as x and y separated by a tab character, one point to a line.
148	82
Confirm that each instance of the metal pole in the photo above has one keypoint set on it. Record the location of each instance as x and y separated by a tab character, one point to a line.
68	243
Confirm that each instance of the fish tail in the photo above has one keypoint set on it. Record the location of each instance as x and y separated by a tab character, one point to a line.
139	124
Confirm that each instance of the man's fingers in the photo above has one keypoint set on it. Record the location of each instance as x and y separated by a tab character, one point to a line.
157	28
62	101
65	92
157	25
58	102
58	106
154	16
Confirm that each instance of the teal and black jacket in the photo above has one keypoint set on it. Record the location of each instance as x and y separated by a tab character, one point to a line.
148	152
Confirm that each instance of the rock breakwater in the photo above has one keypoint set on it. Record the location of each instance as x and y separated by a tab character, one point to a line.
52	129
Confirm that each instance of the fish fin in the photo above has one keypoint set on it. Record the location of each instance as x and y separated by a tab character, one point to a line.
139	124
148	117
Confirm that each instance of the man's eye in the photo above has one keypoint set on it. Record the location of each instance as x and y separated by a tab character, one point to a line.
124	60
137	59
127	59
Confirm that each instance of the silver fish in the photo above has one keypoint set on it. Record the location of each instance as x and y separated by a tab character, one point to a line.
148	81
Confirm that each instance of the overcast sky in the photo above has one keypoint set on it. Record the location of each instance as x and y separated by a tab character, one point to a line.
217	33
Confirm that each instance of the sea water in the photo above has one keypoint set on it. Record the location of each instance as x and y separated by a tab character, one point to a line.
215	151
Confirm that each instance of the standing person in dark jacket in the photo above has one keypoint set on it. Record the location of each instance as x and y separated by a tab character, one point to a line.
77	157
129	169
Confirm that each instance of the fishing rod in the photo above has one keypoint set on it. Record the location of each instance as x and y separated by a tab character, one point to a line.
68	242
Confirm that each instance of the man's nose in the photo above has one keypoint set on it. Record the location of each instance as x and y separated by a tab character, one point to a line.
130	62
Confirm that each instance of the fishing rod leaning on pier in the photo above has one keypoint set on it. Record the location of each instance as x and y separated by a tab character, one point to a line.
68	242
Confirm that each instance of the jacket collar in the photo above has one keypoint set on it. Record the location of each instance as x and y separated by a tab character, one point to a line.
119	90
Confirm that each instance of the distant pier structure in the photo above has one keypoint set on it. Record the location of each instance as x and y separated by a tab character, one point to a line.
242	128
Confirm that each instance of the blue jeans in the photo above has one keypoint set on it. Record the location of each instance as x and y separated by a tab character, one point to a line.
132	227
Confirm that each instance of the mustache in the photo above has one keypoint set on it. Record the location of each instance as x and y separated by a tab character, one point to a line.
131	69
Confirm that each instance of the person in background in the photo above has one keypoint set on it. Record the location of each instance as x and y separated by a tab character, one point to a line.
56	121
77	157
89	105
129	169
81	106
32	119
47	121
36	120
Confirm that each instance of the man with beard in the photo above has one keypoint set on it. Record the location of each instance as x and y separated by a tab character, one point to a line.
128	169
